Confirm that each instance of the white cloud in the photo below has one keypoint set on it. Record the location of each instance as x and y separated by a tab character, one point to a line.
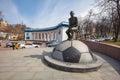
46	17
10	12
59	13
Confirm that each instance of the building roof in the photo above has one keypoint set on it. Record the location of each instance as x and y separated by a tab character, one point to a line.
62	24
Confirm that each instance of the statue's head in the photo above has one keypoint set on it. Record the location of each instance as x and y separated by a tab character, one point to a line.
71	13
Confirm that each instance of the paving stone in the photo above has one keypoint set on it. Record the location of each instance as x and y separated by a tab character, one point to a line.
61	75
81	76
43	75
3	64
110	77
6	75
33	64
5	69
21	69
36	69
23	76
20	64
14	65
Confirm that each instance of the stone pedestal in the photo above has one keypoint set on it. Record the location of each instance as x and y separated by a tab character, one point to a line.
74	53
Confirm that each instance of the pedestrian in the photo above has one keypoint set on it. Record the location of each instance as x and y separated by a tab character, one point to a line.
16	45
13	46
0	44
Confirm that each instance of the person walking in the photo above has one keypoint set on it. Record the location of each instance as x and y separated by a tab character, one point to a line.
16	45
13	46
0	44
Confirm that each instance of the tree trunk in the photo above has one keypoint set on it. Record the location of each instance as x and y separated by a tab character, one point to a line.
118	22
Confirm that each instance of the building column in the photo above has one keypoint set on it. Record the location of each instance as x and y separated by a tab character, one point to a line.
51	36
39	35
34	35
44	36
48	36
55	35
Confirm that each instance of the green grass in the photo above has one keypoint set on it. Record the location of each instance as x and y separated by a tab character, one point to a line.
112	42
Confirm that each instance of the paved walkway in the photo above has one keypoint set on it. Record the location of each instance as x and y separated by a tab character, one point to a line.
28	64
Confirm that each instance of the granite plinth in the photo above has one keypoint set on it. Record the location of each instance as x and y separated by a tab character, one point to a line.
69	49
73	67
73	56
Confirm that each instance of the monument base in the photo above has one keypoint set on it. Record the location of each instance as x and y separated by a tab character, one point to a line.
72	67
73	56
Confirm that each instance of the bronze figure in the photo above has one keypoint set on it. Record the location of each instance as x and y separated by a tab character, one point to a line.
73	23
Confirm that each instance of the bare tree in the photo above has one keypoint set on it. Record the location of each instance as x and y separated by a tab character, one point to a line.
88	24
112	9
1	15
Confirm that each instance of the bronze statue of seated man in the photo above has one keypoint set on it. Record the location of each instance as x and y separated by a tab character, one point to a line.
73	26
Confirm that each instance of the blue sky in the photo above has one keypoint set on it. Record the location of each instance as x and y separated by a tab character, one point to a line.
43	13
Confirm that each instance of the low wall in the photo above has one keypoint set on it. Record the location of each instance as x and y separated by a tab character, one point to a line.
110	50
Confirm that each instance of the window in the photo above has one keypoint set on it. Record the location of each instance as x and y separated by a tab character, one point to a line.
27	37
